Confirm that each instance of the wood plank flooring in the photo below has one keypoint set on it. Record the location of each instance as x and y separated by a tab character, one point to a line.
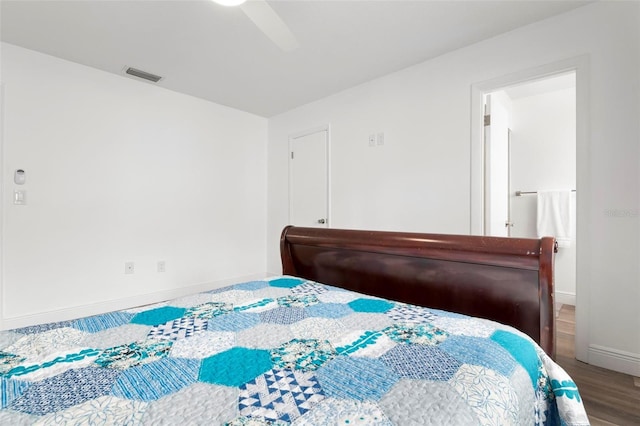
610	398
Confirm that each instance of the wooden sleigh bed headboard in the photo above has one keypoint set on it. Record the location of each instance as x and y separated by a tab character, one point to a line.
509	280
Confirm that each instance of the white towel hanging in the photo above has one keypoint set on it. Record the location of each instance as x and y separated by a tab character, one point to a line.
554	216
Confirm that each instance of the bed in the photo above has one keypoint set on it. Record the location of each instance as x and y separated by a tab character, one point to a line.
363	327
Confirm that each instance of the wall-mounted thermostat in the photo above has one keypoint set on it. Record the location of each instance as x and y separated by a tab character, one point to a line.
19	177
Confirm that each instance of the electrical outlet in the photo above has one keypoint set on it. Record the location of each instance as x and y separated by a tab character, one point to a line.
128	267
162	266
372	140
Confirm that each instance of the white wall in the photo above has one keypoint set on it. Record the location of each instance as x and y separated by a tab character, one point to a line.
119	170
420	179
543	137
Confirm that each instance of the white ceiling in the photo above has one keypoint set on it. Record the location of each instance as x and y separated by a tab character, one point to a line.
217	53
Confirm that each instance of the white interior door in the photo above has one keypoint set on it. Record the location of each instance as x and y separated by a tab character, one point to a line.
308	180
496	129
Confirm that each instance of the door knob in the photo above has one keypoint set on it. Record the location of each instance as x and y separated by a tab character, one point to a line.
321	221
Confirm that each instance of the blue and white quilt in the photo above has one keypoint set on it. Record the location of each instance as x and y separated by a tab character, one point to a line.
282	351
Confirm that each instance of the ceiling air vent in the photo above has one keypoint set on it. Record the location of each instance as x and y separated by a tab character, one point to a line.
141	74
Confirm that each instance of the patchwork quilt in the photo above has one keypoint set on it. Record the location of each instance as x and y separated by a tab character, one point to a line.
282	351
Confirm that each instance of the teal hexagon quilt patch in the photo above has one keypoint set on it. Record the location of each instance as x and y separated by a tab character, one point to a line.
235	367
158	316
371	305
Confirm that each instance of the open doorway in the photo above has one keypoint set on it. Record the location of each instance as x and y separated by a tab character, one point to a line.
530	146
579	66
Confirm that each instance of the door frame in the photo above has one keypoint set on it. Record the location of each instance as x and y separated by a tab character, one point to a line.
579	65
323	128
2	199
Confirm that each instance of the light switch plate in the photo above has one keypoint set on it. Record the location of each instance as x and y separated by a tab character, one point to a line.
20	197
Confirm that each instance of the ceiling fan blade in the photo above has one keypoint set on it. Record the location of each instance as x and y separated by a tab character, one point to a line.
270	24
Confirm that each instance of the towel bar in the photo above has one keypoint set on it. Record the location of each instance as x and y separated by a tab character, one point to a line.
521	193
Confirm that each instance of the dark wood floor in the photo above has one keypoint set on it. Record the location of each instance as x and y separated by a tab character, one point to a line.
610	398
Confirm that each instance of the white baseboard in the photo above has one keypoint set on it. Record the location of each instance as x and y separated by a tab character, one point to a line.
613	359
118	304
565	298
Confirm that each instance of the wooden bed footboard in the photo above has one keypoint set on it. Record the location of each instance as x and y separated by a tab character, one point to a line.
509	280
